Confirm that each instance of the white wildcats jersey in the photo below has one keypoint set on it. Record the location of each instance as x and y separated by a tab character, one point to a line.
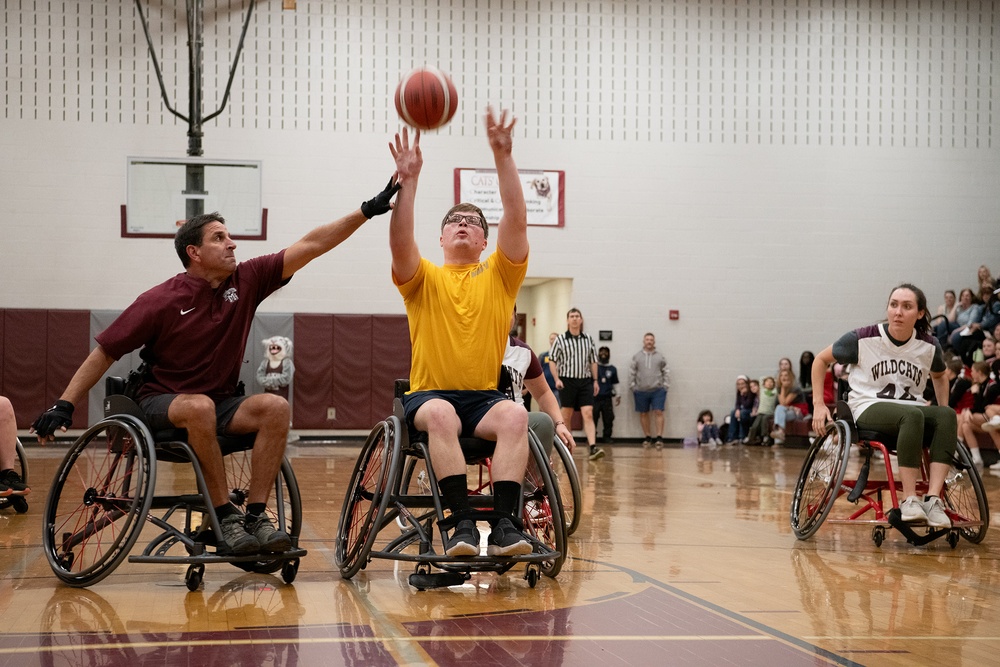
885	371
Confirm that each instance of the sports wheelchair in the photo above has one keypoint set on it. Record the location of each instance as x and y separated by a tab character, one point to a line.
393	484
104	489
822	481
19	503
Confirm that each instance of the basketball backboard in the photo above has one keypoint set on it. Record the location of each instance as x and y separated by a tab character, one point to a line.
164	192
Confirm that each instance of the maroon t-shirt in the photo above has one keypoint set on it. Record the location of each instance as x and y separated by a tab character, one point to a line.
195	334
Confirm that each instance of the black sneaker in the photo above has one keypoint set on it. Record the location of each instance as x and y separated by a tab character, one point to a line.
658	443
271	541
464	540
506	540
5	490
11	480
235	540
596	453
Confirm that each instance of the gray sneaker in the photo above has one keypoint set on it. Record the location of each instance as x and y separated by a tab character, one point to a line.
235	540
271	541
912	509
936	516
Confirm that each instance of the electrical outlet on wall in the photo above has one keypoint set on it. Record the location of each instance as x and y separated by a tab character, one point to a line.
331	414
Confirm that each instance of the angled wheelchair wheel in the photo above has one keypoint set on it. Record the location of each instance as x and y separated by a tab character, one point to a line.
541	512
820	481
367	497
965	497
19	503
568	482
284	507
99	501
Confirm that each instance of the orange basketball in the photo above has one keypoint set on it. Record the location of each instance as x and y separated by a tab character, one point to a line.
426	98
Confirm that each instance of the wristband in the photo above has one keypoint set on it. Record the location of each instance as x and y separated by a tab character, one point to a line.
560	422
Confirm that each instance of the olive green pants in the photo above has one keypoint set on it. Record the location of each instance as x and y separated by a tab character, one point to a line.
914	426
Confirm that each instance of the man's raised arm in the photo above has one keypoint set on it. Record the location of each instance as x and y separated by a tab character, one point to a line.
402	242
512	234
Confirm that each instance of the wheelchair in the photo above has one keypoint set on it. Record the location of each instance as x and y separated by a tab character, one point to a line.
394	484
567	481
876	501
18	503
104	491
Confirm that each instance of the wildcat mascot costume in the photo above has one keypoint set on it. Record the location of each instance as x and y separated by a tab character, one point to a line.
275	372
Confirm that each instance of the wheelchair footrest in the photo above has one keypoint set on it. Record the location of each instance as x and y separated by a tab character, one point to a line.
895	518
424	581
291	554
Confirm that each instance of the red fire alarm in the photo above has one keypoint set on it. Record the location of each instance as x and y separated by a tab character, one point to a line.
675	314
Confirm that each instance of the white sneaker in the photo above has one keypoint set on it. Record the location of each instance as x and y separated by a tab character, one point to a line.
995	466
912	509
936	516
716	441
977	458
992	424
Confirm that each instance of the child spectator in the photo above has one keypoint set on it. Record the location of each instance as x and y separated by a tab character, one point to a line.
760	428
959	398
708	430
739	418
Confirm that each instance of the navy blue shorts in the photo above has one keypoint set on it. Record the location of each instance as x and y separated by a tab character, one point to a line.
654	399
470	406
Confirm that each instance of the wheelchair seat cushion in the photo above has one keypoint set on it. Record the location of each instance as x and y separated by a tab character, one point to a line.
167	449
474	449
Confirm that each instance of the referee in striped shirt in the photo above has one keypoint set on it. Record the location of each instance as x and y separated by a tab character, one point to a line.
573	361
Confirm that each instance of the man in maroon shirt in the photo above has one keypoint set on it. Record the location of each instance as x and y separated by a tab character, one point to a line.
194	328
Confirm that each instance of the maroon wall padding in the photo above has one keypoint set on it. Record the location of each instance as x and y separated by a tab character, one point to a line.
390	360
41	351
68	344
352	368
25	361
313	383
2	366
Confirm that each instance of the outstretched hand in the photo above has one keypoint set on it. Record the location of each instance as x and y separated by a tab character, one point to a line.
499	131
409	159
382	202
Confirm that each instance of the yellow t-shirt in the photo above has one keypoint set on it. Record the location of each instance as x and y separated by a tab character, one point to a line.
462	315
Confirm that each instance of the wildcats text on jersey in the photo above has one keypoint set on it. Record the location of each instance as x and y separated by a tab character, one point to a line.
901	367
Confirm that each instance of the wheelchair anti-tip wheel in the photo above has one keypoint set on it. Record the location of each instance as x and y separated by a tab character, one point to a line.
366	499
98	501
820	481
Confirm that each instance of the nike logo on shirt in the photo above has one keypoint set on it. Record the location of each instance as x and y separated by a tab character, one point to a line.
185	312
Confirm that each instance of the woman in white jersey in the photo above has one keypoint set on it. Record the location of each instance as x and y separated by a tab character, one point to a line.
889	364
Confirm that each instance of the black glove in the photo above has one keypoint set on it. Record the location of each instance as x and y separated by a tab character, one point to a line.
380	203
58	416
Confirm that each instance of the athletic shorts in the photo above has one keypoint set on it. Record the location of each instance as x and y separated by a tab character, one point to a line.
470	406
155	408
655	399
577	393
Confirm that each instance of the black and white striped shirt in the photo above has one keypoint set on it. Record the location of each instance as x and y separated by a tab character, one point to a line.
574	355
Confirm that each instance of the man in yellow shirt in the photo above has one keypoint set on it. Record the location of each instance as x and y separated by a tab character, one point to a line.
459	315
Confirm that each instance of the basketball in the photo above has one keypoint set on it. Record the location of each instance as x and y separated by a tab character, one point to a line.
426	98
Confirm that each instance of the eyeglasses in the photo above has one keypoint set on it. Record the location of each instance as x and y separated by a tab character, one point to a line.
470	220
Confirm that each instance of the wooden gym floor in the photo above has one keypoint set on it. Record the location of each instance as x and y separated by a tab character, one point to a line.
684	557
